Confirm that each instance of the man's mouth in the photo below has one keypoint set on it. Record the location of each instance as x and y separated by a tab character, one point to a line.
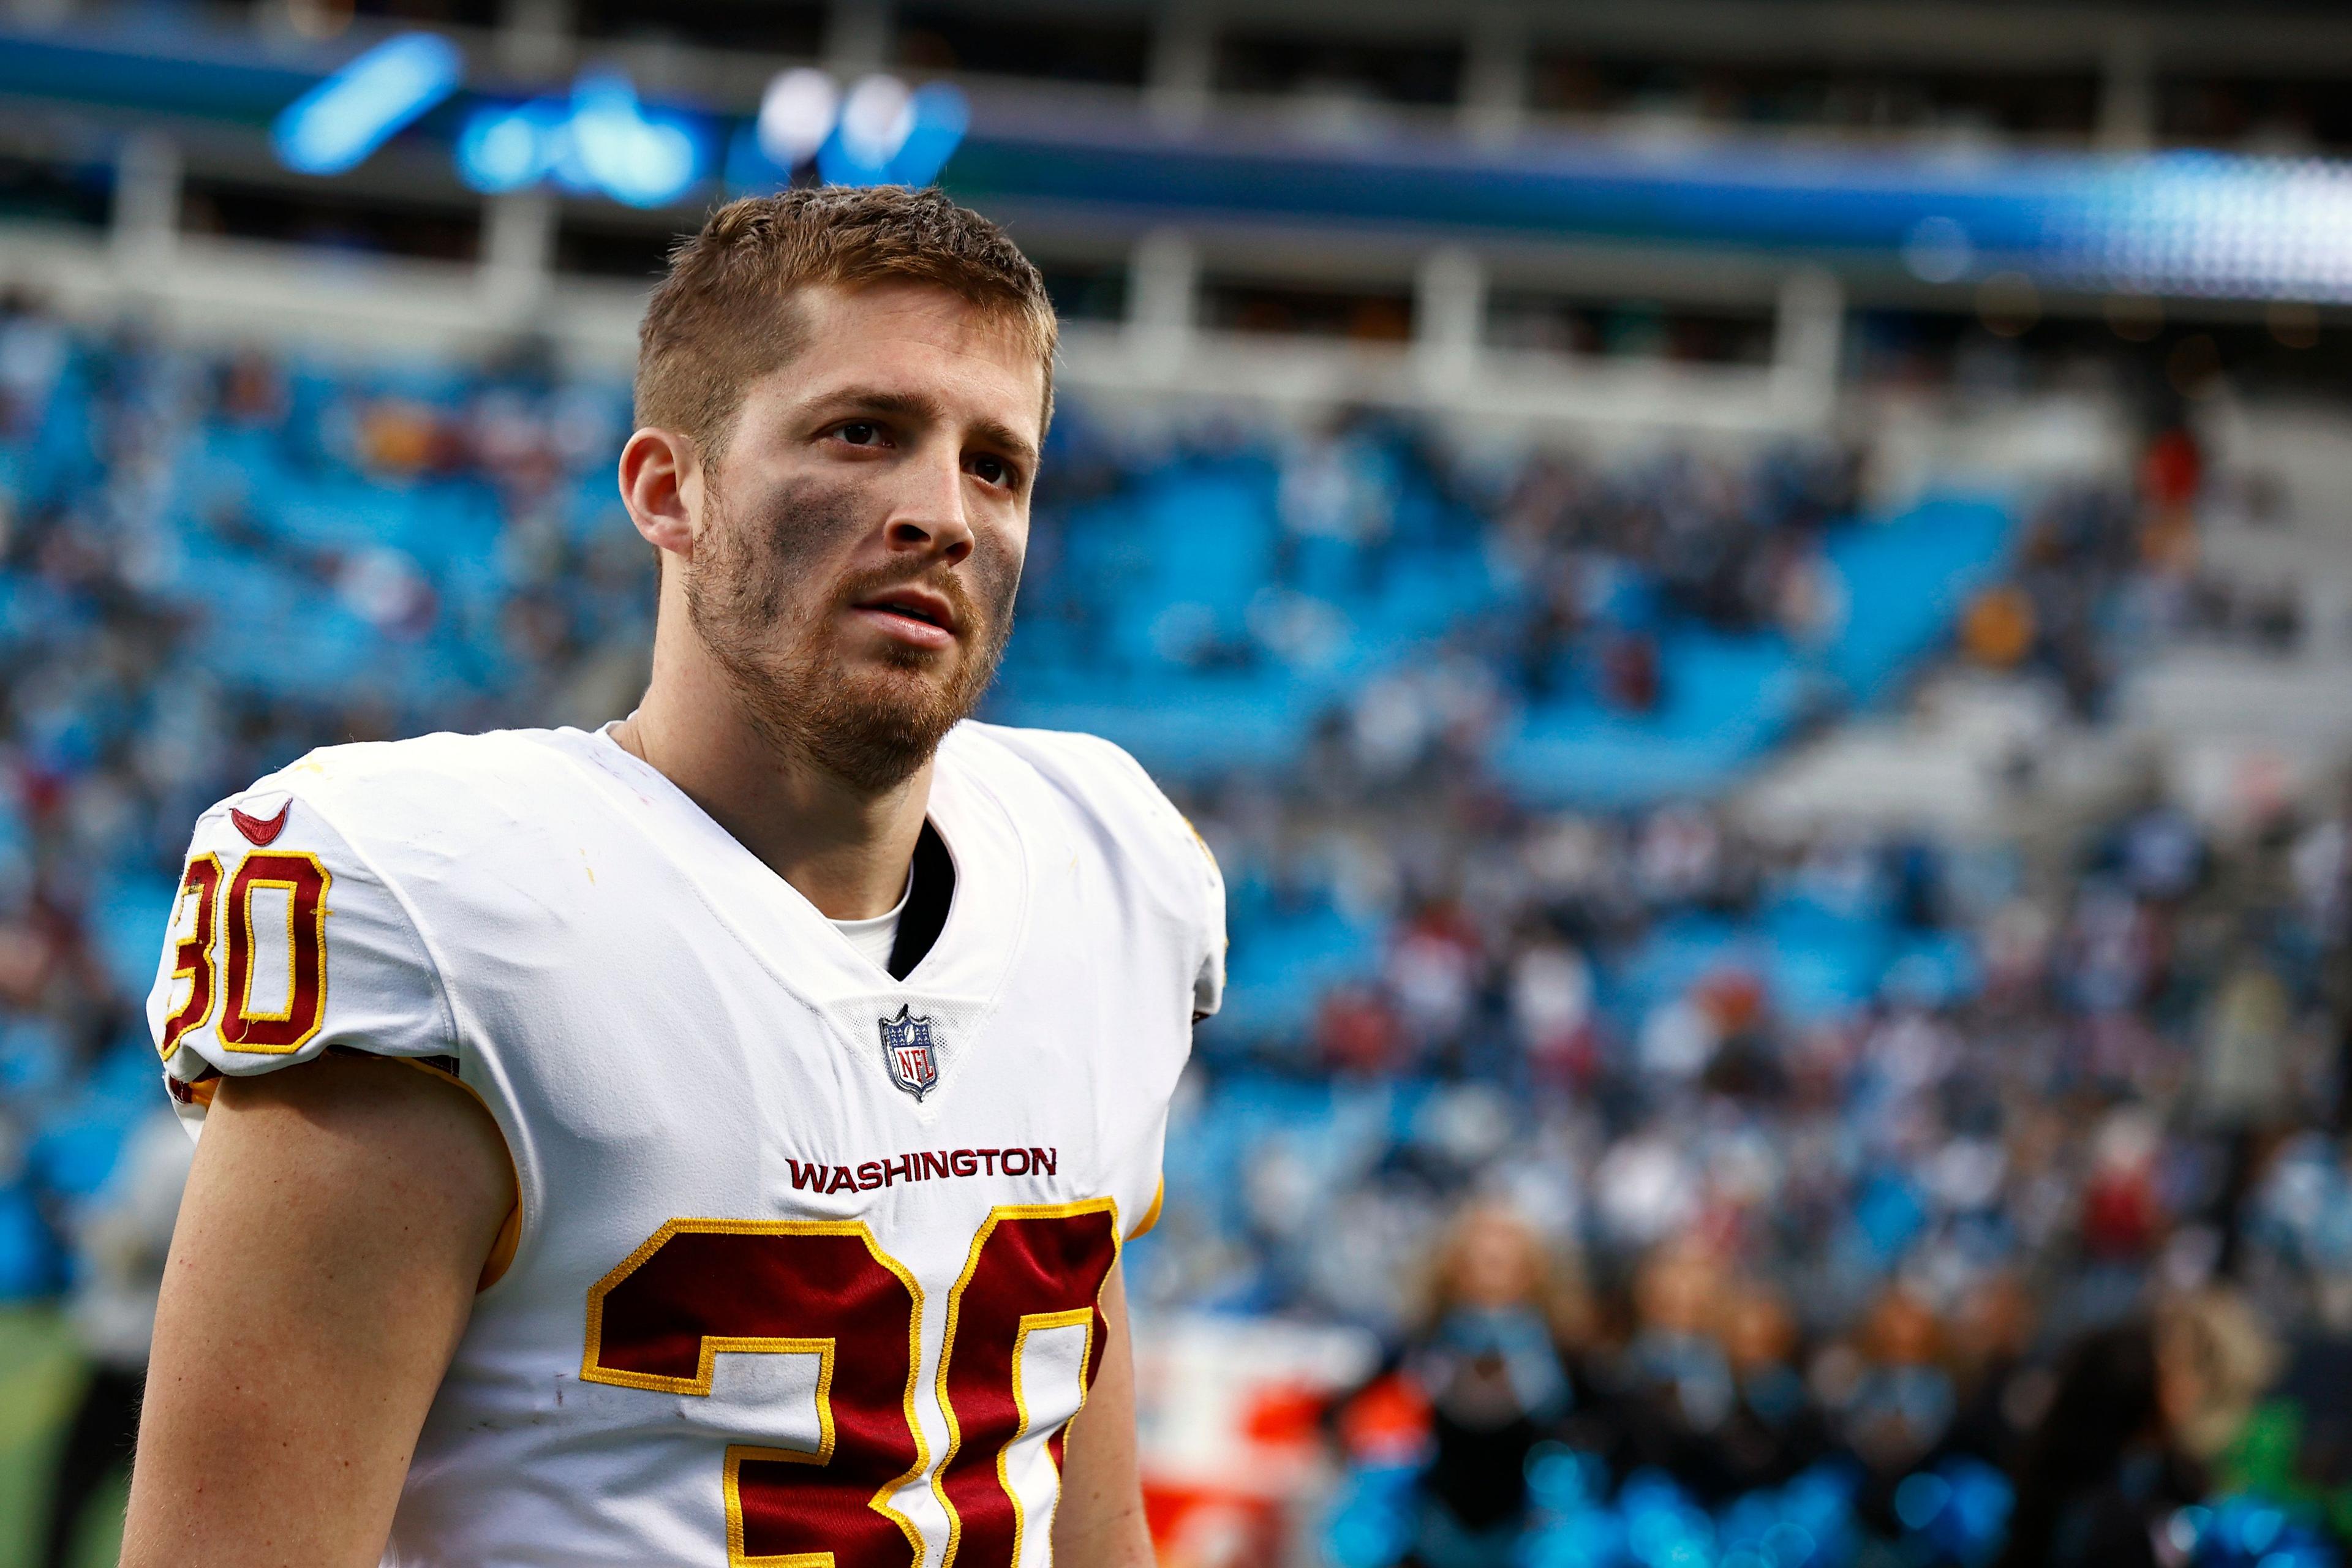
913	615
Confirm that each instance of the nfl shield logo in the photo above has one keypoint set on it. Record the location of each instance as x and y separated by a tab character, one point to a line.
907	1051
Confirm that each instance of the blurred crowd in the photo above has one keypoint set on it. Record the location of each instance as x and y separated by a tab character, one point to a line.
1703	1430
1375	526
1677	1166
1734	549
2106	574
1707	1228
1918	1196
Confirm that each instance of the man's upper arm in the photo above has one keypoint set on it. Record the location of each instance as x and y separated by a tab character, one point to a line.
1099	1522
340	1212
334	1226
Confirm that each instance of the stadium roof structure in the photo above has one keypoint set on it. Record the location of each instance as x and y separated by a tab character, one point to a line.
2187	224
473	186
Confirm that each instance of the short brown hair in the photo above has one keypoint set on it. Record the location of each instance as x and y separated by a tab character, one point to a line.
724	315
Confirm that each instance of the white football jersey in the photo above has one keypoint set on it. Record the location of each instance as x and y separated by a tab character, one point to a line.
807	1260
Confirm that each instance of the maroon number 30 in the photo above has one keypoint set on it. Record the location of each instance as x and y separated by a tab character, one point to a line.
822	1288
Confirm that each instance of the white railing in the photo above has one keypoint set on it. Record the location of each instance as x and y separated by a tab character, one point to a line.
209	288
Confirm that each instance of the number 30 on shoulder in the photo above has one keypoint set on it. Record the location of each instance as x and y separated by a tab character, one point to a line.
271	1026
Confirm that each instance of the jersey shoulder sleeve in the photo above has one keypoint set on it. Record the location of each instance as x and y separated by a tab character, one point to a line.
289	937
1141	828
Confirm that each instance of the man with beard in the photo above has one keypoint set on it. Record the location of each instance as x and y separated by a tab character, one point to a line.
710	1139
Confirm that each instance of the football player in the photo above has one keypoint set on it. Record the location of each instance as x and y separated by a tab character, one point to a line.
708	1139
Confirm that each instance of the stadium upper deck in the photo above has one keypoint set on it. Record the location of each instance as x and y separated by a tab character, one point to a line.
1700	215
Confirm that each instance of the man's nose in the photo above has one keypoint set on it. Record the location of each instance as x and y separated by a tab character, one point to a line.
931	519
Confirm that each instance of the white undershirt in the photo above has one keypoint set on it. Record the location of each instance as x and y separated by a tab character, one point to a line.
875	938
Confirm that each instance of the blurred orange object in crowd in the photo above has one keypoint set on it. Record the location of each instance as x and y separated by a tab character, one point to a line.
1998	628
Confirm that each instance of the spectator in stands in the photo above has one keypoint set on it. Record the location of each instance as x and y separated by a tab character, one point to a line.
1491	1355
1356	1032
2003	1389
1903	1404
1774	1431
2214	1359
1631	678
2106	1466
1998	630
1674	1387
121	1239
1550	997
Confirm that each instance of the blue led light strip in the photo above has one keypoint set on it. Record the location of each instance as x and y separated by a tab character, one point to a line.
335	125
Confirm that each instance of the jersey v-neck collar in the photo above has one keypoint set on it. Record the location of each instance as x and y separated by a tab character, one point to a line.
986	918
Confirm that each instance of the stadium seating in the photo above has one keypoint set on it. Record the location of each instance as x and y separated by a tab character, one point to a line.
1462	736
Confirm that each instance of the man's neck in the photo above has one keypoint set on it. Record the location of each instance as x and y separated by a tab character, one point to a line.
843	849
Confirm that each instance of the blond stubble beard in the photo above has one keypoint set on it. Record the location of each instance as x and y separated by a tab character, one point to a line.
872	729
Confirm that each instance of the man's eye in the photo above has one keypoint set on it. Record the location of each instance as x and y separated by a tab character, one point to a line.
993	470
860	433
